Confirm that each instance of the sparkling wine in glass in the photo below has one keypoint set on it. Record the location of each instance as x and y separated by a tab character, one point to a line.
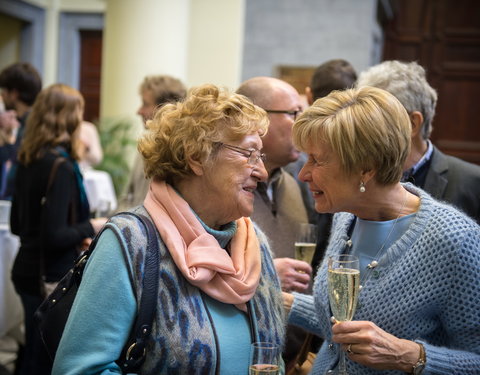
305	242
264	359
343	290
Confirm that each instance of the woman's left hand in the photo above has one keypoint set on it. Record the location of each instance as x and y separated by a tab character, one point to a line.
371	346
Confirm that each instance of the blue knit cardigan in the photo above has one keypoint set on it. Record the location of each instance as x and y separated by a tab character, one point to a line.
427	290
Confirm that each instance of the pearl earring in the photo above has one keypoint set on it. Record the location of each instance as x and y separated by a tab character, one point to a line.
362	187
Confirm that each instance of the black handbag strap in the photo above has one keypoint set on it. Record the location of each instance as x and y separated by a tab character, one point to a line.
51	177
133	353
43	200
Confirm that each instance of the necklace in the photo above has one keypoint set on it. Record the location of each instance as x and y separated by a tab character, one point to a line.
373	264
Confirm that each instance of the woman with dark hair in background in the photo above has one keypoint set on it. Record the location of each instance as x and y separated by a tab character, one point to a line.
50	211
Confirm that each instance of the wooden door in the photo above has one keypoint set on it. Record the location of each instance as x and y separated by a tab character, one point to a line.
90	70
444	37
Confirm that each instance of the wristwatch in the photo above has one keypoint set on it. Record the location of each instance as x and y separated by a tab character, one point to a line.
420	365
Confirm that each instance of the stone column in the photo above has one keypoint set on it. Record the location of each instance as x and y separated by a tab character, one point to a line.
141	37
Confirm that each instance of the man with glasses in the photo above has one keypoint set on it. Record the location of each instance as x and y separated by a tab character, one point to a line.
279	206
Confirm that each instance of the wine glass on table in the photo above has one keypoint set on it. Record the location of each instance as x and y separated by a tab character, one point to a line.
264	359
343	290
305	242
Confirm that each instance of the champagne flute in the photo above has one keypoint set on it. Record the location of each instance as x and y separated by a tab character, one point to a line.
343	290
264	358
305	242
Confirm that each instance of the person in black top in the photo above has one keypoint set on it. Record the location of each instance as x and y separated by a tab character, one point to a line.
20	84
50	211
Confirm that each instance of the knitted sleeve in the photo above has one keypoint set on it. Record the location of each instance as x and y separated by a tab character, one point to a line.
304	314
461	314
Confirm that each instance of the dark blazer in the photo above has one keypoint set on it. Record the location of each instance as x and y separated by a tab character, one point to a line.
454	181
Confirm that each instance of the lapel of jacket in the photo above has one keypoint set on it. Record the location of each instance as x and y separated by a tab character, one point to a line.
436	180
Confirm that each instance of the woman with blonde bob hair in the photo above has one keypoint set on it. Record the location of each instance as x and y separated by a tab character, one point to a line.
217	291
419	261
50	211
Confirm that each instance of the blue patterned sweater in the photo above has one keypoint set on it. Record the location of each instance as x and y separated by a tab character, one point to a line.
183	339
427	290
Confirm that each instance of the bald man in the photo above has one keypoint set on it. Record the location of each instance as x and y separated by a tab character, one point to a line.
278	205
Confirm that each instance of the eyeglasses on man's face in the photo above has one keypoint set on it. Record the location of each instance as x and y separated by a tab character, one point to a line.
293	113
253	155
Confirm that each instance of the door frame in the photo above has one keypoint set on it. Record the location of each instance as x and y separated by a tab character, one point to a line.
70	25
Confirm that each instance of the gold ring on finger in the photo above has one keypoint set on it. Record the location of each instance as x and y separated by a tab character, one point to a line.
349	349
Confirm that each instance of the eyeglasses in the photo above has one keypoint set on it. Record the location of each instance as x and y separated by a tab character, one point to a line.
253	155
294	113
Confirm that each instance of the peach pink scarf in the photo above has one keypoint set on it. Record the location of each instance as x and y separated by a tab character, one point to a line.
197	254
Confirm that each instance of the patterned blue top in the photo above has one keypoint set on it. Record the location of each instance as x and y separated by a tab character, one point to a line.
186	335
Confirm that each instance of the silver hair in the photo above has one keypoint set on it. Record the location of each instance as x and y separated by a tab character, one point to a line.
408	83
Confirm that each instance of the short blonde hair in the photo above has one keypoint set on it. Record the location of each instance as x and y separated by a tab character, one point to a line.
368	128
191	129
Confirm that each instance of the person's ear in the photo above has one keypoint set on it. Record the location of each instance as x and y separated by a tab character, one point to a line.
309	95
416	119
367	175
196	166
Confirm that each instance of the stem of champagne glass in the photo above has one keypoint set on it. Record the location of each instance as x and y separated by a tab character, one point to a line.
342	366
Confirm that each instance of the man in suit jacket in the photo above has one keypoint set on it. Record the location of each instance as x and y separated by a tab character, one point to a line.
455	181
445	177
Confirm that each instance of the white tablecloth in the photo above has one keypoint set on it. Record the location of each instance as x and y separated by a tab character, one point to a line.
100	191
11	311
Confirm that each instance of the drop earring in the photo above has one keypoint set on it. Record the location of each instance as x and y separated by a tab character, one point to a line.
362	187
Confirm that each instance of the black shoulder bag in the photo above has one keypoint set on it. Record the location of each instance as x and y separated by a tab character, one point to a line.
52	314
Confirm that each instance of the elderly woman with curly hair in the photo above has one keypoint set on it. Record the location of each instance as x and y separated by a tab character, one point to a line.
218	291
418	308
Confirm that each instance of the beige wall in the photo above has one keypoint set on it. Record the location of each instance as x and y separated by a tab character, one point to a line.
139	41
71	5
216	40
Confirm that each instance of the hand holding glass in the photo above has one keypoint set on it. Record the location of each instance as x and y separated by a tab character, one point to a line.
264	359
343	289
305	242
